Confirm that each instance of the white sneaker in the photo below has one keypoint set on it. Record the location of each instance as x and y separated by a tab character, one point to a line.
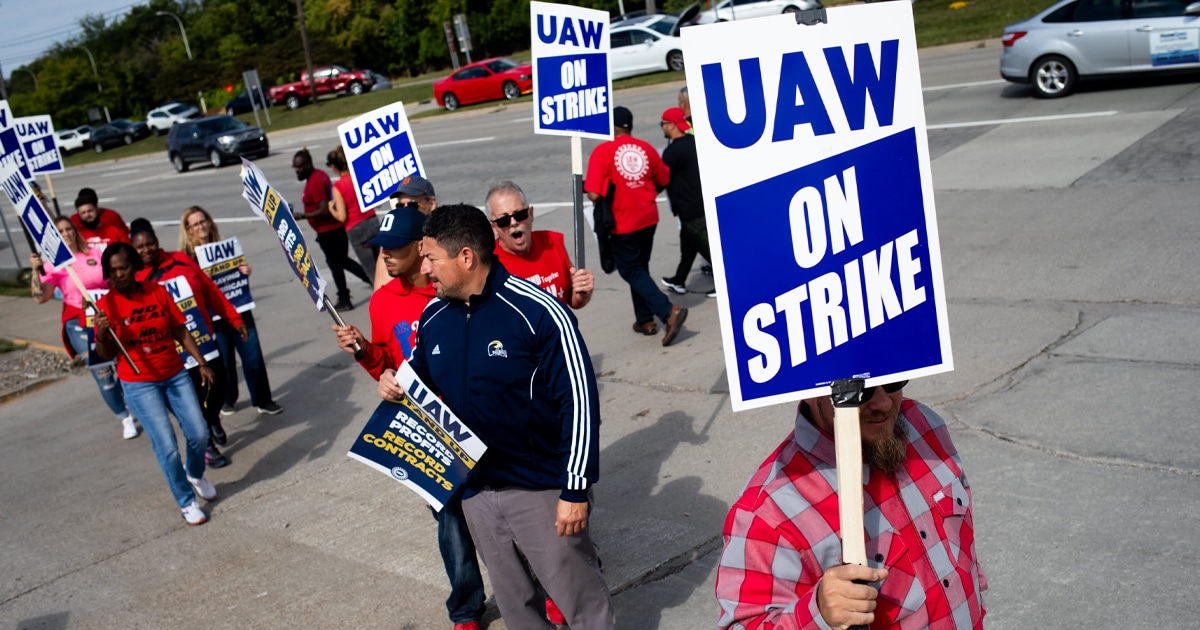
193	514
131	430
203	488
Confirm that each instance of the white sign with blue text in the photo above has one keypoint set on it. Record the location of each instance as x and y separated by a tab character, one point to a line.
36	134
572	84
41	227
819	201
10	145
380	153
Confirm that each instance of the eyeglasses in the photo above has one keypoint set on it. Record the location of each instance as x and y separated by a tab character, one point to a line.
415	205
518	216
869	392
192	226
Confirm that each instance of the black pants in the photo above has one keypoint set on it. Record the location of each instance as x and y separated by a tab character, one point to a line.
211	396
336	247
693	239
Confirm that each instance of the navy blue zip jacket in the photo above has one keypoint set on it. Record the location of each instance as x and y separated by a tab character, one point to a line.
513	367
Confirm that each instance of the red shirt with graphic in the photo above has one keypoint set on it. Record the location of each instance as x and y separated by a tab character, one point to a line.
317	189
395	310
634	167
209	299
547	264
110	229
143	322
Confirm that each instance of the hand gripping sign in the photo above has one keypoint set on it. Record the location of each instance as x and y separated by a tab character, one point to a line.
380	152
419	442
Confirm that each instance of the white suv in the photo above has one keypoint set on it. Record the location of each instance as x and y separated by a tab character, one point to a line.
161	119
745	9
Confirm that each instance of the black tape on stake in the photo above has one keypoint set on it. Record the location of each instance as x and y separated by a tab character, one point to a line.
337	319
847	439
809	18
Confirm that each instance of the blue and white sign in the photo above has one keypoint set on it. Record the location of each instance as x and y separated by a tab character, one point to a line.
819	200
41	227
10	144
572	84
223	261
1172	47
36	134
380	152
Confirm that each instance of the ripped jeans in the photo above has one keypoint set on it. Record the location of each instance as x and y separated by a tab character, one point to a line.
105	374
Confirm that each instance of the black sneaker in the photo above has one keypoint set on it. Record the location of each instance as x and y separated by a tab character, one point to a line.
712	293
674	286
270	409
344	304
214	458
218	433
706	270
228	410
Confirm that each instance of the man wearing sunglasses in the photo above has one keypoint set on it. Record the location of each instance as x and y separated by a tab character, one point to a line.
782	559
539	257
414	192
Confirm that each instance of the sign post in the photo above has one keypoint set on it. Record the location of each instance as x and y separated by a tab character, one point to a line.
813	149
572	86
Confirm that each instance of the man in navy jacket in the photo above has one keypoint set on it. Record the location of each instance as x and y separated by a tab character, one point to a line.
508	359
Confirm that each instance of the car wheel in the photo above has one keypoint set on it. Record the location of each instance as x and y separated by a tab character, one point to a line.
98	148
450	101
791	9
180	165
292	101
1053	76
356	88
214	158
128	139
511	90
675	61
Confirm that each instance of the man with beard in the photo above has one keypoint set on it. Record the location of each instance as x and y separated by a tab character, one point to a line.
686	197
99	227
782	561
540	257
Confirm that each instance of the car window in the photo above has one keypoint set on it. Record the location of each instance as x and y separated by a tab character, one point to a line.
666	27
1097	10
1065	13
221	125
471	73
157	115
1159	8
642	37
620	39
177	109
500	65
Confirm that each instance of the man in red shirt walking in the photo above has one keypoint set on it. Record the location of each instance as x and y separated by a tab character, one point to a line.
632	170
331	233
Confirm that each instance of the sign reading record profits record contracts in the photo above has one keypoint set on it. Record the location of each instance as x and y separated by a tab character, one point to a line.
819	201
380	153
572	85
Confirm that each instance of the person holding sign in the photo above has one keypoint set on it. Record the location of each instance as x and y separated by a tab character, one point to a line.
197	228
87	267
539	257
361	223
331	233
631	168
782	562
143	315
520	377
414	192
160	266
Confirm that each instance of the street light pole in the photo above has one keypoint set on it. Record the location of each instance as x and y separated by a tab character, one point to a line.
31	74
97	75
188	49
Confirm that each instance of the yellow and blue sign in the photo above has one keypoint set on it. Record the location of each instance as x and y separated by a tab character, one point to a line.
222	261
572	82
819	201
197	324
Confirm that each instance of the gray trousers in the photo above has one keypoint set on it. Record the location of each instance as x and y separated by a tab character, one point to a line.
514	523
358	236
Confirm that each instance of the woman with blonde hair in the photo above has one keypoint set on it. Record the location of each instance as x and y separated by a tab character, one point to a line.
197	228
361	224
74	332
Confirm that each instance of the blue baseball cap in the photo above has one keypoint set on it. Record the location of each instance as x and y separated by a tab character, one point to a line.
399	228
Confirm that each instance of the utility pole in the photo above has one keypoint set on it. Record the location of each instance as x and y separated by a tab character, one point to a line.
3	90
312	83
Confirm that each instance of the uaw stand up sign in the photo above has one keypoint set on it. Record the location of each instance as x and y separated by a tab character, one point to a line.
810	131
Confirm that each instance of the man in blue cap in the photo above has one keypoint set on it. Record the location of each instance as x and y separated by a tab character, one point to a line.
414	192
395	310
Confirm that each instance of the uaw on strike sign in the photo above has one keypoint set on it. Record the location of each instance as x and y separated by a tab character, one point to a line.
819	201
572	87
380	152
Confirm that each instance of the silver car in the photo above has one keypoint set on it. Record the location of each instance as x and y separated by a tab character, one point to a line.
1076	39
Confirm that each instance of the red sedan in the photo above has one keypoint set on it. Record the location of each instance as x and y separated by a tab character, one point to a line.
486	80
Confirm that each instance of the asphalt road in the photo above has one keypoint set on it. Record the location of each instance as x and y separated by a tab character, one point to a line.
1068	231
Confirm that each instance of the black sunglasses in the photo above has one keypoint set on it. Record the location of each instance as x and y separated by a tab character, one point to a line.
869	392
518	216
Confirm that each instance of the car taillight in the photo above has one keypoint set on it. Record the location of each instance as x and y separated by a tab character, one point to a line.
1011	37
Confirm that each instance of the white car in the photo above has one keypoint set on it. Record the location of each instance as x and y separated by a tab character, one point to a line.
69	140
746	9
639	47
161	119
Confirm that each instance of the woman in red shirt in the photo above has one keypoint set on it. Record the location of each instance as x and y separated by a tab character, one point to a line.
361	224
144	317
74	333
160	266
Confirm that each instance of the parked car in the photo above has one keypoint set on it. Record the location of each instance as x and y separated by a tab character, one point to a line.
240	104
161	119
745	9
69	141
328	80
1079	39
107	137
638	48
85	132
487	80
216	140
133	130
381	83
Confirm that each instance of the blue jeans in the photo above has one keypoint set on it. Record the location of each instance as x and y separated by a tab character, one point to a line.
465	603
150	403
254	368
105	375
631	252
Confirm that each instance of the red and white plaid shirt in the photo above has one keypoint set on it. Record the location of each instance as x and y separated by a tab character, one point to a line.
783	533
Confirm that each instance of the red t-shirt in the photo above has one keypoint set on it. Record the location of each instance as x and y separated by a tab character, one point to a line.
143	322
317	189
637	171
209	298
547	264
354	212
111	229
395	310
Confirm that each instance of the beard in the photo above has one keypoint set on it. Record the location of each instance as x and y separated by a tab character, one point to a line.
888	454
91	225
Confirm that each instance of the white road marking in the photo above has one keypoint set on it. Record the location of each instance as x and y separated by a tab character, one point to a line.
955	86
521	120
119	173
1027	119
453	142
